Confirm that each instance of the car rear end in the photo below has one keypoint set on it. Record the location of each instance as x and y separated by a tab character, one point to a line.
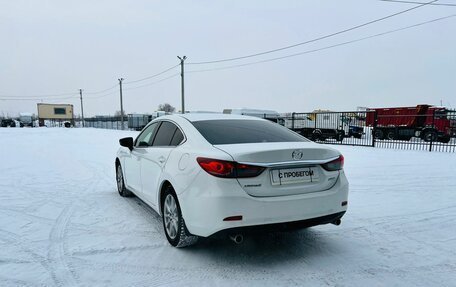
263	185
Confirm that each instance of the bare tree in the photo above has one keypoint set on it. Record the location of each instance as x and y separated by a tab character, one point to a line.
166	108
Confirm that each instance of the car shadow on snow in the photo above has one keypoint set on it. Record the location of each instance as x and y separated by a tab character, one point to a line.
267	249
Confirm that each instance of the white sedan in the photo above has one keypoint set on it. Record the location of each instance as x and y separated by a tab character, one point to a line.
209	174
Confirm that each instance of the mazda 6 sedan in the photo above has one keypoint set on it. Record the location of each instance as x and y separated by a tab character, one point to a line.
208	174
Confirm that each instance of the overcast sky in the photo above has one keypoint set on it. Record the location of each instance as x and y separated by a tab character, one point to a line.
54	47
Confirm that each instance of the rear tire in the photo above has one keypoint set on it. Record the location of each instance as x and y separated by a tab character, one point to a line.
173	223
340	136
123	191
379	134
429	136
316	135
391	135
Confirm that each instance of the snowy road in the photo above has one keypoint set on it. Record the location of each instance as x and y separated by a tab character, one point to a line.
62	223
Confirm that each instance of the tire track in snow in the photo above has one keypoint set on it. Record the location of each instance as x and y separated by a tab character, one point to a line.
25	215
69	276
157	281
61	272
136	270
16	240
15	282
151	216
66	274
49	221
100	173
161	275
114	250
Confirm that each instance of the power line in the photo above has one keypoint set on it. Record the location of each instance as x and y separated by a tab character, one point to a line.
415	2
43	96
102	91
134	88
55	96
153	76
58	96
131	82
37	99
152	83
102	96
315	39
323	48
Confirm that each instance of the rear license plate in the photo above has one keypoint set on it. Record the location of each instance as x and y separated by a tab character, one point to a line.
294	175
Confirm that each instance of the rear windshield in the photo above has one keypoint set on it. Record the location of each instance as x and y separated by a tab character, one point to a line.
245	131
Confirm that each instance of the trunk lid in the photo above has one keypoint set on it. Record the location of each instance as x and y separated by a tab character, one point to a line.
290	168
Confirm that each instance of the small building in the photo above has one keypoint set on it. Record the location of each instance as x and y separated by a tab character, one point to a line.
55	112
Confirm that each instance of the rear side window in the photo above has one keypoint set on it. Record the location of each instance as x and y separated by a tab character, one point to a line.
177	138
165	134
245	131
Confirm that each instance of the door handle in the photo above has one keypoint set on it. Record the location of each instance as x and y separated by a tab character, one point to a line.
162	159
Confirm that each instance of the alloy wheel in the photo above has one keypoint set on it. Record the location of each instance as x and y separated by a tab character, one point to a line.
119	179
171	216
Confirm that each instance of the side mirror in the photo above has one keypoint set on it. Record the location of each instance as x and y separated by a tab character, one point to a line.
127	142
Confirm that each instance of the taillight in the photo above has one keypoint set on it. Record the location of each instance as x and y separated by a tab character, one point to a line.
220	168
334	165
244	170
228	169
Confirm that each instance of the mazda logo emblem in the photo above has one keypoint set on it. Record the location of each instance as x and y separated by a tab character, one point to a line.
297	154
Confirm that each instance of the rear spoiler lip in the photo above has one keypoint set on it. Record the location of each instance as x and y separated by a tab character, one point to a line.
291	163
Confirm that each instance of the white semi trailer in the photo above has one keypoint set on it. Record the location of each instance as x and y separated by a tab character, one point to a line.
322	125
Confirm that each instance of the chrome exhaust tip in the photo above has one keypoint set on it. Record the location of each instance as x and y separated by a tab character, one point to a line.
237	238
337	222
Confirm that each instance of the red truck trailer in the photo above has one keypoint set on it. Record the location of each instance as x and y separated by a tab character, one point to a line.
427	122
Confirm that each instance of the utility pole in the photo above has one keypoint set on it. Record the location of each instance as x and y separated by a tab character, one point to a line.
121	104
182	81
82	107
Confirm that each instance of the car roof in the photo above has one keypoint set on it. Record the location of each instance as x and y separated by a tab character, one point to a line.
210	116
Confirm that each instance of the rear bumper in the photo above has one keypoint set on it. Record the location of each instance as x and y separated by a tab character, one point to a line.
204	210
285	226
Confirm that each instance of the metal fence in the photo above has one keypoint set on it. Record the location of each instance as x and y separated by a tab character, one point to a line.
431	131
112	123
131	122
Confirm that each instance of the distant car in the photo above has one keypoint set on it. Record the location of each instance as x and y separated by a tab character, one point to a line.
6	123
230	174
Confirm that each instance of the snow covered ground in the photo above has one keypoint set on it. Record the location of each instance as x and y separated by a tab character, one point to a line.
62	223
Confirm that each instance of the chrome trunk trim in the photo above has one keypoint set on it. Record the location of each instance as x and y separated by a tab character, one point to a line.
291	163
